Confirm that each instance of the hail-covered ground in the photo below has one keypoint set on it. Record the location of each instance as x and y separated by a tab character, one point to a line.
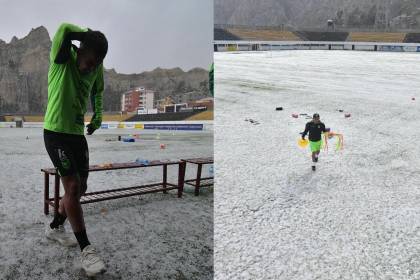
358	215
154	236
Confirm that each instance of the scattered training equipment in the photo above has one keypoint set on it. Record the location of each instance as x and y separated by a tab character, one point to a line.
119	137
303	143
162	146
279	109
142	161
340	110
413	98
254	122
130	140
295	116
338	138
347	115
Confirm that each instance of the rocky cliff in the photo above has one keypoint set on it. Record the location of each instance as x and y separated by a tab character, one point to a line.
363	14
24	70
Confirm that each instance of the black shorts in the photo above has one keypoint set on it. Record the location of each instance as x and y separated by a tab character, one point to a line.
68	152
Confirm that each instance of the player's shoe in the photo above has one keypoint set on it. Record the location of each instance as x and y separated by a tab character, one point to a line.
60	235
91	262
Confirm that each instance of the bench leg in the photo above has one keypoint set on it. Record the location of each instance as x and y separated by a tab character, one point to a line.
46	192
198	179
56	193
165	177
181	177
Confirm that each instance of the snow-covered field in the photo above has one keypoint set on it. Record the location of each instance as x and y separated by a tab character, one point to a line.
358	215
153	236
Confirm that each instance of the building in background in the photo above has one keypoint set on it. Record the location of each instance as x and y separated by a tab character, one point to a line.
202	104
139	100
175	108
161	103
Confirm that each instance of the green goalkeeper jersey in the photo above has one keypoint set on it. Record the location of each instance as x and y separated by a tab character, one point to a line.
68	90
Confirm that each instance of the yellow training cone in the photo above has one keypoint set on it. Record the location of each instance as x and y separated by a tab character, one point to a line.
303	143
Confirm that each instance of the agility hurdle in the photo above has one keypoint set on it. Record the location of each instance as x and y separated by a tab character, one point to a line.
199	182
91	197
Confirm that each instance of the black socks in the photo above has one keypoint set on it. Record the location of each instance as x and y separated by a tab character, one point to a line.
58	220
80	236
82	239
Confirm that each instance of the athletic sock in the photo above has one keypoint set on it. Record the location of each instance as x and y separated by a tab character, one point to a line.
58	220
82	239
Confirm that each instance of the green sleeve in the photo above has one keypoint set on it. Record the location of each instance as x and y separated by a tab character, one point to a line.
97	94
60	35
211	79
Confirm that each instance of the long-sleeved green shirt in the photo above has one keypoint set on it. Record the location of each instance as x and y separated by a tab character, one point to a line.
211	79
68	90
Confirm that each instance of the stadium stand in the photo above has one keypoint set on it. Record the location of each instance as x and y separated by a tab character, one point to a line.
161	117
322	36
9	118
271	34
263	34
224	35
376	37
203	116
412	38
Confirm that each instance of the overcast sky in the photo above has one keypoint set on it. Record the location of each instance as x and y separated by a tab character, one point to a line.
142	34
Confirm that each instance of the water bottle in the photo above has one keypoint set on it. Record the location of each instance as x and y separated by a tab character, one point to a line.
211	171
142	161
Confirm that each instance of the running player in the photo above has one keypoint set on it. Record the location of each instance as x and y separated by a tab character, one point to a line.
74	74
315	129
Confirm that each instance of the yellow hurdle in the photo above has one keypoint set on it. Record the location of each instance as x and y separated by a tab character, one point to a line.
303	143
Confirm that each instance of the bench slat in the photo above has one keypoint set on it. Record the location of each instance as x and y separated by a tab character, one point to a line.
115	166
207	160
113	194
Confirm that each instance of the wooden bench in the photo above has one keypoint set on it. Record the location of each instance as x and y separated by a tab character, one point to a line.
162	186
199	181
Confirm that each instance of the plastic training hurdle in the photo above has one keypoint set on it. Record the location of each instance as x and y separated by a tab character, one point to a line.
91	197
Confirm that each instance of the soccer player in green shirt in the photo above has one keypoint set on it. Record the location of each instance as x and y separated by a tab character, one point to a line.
75	75
211	79
315	128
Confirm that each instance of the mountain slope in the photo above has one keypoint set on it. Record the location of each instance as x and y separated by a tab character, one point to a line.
24	71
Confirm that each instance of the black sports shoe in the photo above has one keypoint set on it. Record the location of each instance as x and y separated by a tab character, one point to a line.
316	159
313	167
